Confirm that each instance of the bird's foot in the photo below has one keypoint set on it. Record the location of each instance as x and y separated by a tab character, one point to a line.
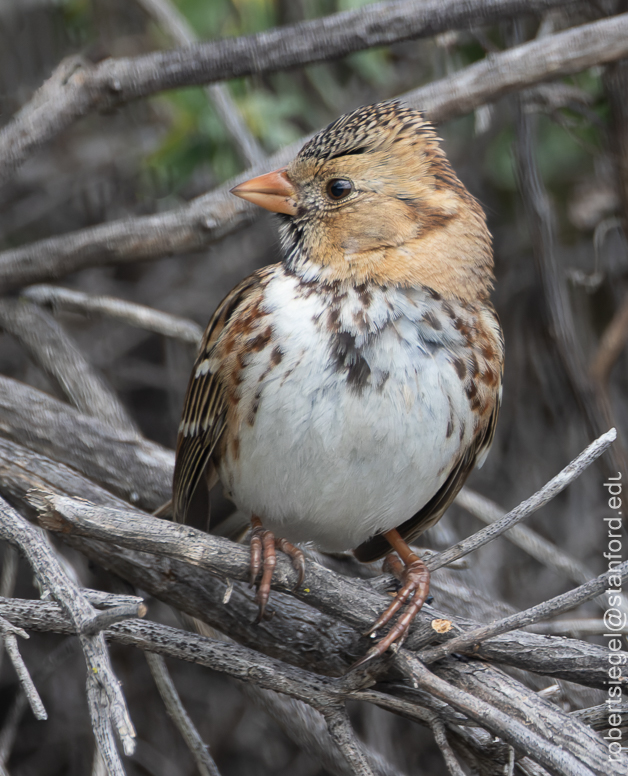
264	559
414	576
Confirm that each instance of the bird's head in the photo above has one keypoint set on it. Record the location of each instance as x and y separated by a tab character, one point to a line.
372	198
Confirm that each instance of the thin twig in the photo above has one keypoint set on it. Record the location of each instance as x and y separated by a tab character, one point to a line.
557	484
544	551
134	314
546	753
8	578
168	16
58	356
9	633
554	606
440	736
576	628
178	714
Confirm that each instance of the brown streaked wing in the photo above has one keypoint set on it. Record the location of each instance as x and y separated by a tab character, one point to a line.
427	516
204	409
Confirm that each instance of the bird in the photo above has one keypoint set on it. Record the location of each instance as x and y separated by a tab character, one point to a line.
343	395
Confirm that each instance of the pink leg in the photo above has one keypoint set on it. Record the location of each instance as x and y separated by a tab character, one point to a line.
264	559
415	579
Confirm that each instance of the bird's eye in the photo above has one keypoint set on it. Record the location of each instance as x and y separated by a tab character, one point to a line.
339	188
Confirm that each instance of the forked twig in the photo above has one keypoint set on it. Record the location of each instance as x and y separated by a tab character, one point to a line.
554	606
9	633
557	484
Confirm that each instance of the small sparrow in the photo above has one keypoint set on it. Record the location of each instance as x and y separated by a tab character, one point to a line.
343	396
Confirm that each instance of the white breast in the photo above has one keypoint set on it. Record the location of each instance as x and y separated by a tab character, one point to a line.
330	462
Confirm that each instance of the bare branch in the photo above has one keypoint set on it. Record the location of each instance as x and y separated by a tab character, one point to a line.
134	314
178	714
9	633
571	472
59	357
168	16
548	754
342	733
576	628
8	577
213	216
440	736
554	606
76	89
138	470
107	705
535	545
324	589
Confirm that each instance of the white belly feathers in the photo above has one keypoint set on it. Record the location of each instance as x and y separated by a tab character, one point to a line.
359	423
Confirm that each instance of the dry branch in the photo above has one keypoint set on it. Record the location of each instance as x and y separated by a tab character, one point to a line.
204	762
543	611
557	484
8	633
550	755
76	89
212	216
326	694
137	315
325	590
107	705
136	469
51	348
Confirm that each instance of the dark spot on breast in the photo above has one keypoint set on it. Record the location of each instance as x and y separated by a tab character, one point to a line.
471	389
448	310
333	318
358	374
235	448
460	367
364	294
276	356
434	294
432	321
348	357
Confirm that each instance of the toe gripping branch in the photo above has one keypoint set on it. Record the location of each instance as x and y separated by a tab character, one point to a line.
415	587
264	558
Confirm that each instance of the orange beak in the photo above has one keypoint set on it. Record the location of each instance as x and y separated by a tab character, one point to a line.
272	191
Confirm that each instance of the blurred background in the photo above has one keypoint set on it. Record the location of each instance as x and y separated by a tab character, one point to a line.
153	155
